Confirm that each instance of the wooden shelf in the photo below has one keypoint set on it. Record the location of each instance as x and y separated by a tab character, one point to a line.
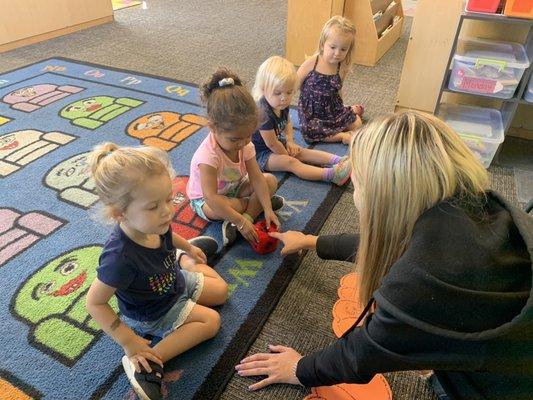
24	22
306	18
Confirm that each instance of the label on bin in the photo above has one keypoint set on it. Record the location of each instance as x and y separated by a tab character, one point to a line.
479	85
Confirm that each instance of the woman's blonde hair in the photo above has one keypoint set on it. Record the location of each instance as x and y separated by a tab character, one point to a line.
344	25
118	170
274	72
402	165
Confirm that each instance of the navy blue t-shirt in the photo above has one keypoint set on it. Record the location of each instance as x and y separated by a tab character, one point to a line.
269	121
148	281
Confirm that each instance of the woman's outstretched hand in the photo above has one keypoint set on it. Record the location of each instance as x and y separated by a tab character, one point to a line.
294	241
279	366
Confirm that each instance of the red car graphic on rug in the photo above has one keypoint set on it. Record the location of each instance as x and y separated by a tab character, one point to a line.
185	223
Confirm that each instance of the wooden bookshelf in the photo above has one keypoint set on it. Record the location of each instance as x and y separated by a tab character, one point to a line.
306	18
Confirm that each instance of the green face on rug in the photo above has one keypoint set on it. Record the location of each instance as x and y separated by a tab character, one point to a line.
93	112
52	302
84	108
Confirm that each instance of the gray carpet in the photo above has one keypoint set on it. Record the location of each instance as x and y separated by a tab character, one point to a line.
186	40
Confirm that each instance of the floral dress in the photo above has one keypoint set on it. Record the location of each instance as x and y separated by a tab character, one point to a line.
320	109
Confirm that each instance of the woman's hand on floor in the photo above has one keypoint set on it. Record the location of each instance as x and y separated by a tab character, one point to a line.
279	366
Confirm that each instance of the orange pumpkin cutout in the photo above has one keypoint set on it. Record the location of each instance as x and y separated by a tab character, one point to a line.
347	309
376	389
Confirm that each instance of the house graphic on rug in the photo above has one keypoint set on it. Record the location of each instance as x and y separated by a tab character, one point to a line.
93	112
51	302
165	129
19	231
71	178
31	98
20	148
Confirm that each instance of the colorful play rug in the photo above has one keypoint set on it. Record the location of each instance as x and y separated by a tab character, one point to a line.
120	4
51	115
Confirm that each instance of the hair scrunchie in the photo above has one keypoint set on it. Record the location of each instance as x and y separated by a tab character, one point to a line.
226	82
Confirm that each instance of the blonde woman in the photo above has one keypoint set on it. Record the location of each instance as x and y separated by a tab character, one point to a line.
445	262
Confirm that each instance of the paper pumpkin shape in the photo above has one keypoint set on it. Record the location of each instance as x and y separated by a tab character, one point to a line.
347	309
377	389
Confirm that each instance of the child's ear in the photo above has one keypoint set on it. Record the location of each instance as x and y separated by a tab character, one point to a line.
211	127
117	214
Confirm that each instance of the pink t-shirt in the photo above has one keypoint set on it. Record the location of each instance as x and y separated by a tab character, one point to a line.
229	174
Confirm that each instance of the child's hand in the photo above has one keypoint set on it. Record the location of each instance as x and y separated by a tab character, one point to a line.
247	230
197	255
293	149
139	351
271	218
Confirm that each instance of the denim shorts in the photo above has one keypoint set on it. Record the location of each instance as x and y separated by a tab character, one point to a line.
263	156
178	313
198	204
262	159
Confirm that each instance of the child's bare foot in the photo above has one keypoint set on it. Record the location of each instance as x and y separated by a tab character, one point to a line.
358	109
347	137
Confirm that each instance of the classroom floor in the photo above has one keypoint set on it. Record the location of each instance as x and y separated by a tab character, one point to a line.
186	41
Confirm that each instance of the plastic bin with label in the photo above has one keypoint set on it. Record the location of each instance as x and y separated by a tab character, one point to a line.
480	128
484	6
528	95
488	67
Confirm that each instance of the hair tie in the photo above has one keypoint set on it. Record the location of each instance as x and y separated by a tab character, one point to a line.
226	82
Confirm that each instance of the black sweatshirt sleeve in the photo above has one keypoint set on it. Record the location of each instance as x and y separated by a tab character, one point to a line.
337	247
385	344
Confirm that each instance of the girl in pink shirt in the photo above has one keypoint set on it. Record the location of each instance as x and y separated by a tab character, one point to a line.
225	180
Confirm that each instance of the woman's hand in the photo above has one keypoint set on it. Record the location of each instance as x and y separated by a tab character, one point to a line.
294	241
197	255
247	230
271	218
293	149
139	352
279	366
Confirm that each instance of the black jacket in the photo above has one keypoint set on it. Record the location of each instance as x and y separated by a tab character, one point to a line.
458	301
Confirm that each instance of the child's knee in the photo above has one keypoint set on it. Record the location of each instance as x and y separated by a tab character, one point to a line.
272	182
213	323
222	292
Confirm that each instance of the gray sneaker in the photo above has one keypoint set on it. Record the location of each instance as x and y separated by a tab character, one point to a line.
229	233
341	172
277	202
206	243
146	385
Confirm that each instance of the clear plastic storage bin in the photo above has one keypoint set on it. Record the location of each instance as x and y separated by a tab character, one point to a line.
488	67
480	128
528	95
